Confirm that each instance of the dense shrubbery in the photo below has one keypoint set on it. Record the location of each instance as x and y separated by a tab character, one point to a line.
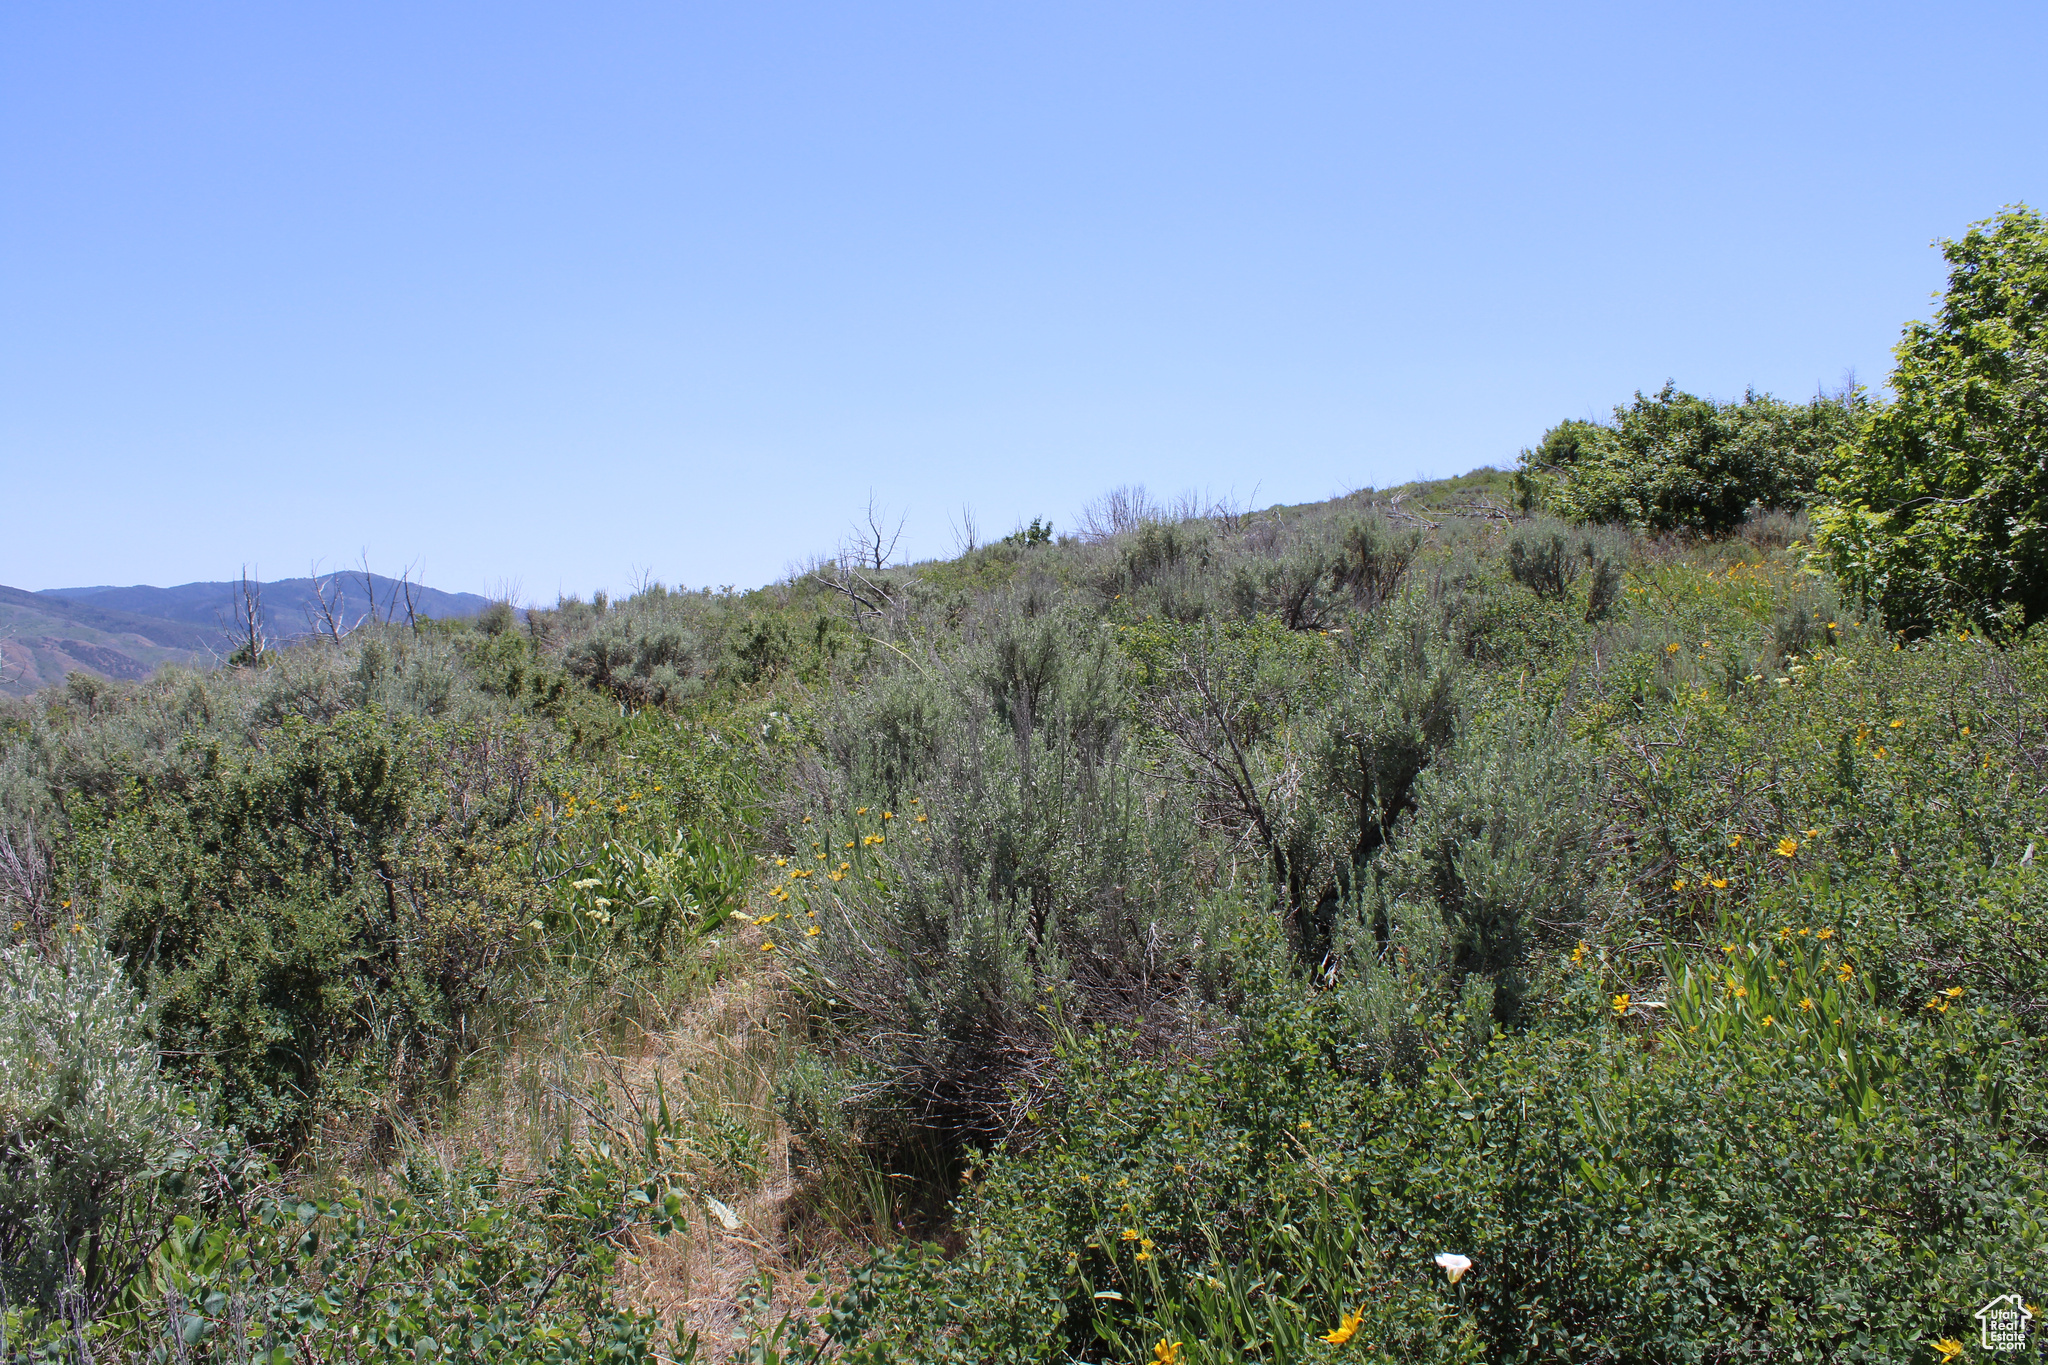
1941	507
1197	926
1674	461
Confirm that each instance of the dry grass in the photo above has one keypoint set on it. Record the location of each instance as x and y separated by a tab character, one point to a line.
715	1057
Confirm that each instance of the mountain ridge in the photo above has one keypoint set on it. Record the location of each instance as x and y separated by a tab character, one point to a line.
127	633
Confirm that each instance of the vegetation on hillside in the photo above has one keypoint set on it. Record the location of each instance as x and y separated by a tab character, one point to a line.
1554	916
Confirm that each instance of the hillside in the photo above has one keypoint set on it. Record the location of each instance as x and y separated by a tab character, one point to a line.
1280	898
1592	913
127	633
43	638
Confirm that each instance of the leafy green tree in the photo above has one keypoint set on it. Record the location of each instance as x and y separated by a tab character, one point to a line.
1674	460
1941	508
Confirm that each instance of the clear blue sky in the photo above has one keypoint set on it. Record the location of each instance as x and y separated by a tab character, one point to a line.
548	294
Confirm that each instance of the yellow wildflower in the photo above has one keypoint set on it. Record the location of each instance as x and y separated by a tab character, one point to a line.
768	947
1166	1353
1806	1002
1620	1003
861	810
1719	883
1825	933
1787	847
1579	953
1671	649
1949	1347
1736	842
769	919
888	815
1768	1020
1130	1234
1844	972
1897	723
1346	1329
1954	992
1679	885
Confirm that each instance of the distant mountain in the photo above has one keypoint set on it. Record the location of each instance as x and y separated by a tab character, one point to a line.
126	633
289	604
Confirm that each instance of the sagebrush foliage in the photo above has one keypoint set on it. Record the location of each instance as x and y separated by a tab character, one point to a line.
1198	928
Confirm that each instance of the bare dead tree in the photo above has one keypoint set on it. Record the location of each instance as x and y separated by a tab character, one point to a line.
251	641
1392	507
1123	508
412	615
873	542
1230	515
329	614
966	535
389	611
866	598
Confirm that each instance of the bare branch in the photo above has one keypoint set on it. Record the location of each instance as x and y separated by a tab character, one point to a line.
966	535
873	543
406	585
1121	509
329	615
370	588
249	639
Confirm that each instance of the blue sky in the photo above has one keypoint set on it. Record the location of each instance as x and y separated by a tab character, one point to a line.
549	296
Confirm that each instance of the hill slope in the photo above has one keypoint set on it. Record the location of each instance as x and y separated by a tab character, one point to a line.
127	633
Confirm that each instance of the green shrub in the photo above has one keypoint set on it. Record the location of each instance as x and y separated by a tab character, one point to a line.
319	923
978	848
1674	461
86	1121
1939	507
1840	1183
1504	851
